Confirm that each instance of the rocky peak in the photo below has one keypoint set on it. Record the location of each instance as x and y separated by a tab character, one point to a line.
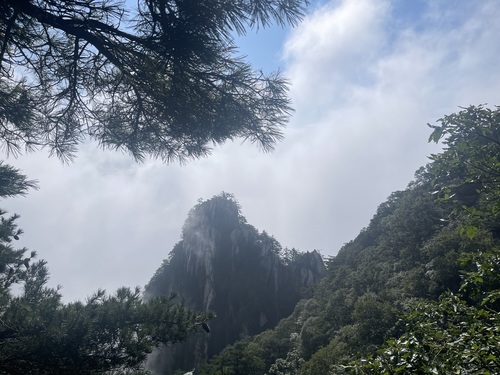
225	265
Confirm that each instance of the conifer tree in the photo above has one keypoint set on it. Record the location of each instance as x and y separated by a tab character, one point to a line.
161	79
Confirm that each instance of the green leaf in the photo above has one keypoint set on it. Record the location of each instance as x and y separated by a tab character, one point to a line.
436	135
471	231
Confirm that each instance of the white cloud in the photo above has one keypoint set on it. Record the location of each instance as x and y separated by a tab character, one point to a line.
334	47
365	79
365	94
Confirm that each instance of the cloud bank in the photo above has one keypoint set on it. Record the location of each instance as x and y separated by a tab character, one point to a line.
367	75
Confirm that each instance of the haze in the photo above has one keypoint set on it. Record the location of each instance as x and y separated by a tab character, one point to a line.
367	76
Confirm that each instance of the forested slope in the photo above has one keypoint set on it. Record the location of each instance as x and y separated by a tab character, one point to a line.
430	249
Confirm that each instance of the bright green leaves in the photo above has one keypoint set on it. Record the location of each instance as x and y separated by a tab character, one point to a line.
449	336
482	277
470	231
470	163
436	134
466	175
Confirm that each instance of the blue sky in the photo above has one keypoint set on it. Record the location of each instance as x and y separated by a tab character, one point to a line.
366	77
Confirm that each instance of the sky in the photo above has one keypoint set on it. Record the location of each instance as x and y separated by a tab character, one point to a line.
366	77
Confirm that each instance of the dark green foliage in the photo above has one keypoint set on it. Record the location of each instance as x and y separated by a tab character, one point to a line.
449	336
444	251
161	79
322	360
271	345
287	366
14	263
106	333
373	317
240	358
13	183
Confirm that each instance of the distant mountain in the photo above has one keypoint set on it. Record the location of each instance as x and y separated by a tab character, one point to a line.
225	265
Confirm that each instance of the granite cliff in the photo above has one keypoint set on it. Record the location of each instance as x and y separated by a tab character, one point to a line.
225	265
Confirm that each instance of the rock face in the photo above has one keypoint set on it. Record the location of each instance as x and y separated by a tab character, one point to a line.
225	265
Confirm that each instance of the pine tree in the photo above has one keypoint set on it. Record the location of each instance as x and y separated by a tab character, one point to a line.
163	79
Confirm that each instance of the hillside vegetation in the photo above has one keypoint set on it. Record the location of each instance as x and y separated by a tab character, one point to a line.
417	290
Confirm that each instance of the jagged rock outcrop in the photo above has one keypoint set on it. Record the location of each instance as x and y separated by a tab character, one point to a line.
225	265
